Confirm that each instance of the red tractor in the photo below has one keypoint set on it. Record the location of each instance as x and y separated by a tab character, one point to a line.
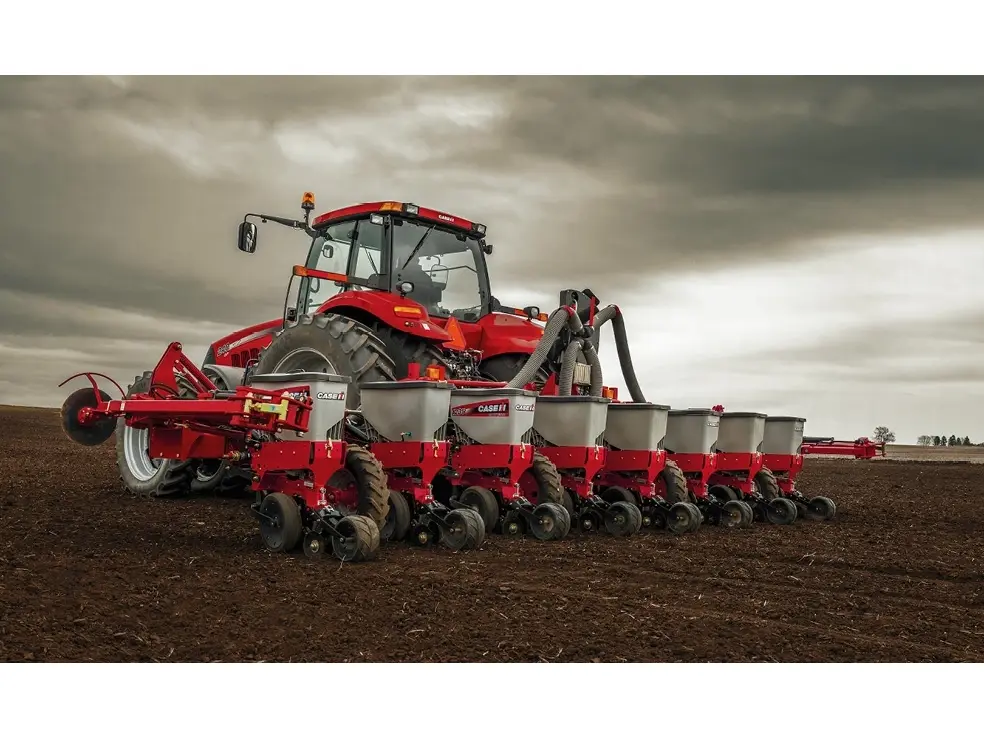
388	289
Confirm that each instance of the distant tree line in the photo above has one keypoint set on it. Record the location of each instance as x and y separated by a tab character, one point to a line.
945	441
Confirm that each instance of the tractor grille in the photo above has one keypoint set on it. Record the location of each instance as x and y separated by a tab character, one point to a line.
242	358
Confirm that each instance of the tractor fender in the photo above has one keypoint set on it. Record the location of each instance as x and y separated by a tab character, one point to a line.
231	375
390	309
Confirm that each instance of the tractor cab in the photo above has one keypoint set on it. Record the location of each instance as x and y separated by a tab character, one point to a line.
399	267
434	259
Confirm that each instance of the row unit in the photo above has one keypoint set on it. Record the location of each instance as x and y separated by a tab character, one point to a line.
420	411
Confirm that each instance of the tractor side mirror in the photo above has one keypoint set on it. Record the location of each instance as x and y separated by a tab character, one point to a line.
487	248
247	237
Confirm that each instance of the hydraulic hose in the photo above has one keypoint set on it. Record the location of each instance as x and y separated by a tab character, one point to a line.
612	313
561	317
565	382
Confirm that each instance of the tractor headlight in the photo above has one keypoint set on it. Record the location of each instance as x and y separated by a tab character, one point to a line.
480	229
411	209
376	219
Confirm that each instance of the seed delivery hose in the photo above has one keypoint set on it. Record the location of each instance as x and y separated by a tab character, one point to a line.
612	313
566	316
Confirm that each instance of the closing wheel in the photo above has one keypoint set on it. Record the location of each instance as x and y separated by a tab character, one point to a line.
680	518
484	502
732	515
281	527
422	534
780	511
315	545
398	519
658	513
465	529
590	521
513	524
748	515
820	508
648	513
698	517
549	522
358	539
622	519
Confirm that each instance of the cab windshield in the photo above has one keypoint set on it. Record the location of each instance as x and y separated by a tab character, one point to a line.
443	267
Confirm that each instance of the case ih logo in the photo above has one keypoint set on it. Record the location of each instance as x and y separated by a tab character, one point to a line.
524	408
299	395
482	410
331	395
448	218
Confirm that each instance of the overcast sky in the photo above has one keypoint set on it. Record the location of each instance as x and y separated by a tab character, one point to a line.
807	246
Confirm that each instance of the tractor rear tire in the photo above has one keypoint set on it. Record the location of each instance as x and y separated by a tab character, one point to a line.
505	367
333	343
675	483
209	475
546	478
405	349
139	474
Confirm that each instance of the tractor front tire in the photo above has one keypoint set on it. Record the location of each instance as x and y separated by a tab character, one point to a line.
139	474
332	343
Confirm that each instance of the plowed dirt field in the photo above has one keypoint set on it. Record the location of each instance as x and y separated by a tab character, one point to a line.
90	573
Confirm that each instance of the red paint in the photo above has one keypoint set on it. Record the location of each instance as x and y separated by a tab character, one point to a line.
368	208
381	306
785	467
697	468
862	448
737	470
411	467
637	471
578	466
471	464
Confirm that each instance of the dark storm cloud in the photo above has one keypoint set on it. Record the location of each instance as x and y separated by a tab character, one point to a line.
907	352
124	195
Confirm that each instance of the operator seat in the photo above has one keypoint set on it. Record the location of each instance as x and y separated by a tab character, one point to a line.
425	291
